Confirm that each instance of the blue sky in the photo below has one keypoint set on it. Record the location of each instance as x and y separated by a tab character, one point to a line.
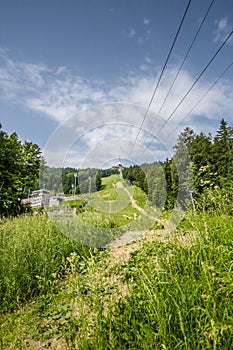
60	61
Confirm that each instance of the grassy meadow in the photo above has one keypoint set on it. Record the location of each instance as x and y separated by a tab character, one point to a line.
166	291
111	207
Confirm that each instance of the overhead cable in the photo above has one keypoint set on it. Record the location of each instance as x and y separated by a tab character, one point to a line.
162	72
185	57
197	79
204	95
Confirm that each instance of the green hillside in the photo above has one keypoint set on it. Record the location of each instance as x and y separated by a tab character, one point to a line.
168	290
139	262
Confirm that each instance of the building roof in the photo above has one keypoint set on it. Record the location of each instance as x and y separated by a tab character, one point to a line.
119	166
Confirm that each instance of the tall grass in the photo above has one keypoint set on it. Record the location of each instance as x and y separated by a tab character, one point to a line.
180	295
176	291
32	258
139	195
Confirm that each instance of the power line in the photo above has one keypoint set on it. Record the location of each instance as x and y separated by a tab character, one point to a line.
192	86
204	95
162	72
195	82
185	57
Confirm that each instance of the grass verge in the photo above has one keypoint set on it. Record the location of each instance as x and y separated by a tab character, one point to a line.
33	256
174	292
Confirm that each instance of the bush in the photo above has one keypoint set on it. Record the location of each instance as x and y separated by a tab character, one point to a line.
216	200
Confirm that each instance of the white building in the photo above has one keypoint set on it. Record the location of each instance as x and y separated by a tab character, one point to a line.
40	198
119	167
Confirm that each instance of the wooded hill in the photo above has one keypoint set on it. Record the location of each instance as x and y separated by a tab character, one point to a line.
206	162
201	165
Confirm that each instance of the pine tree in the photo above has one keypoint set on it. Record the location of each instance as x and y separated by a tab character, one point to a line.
98	180
223	150
184	166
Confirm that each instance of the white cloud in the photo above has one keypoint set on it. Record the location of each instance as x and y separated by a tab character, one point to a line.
222	24
141	39
142	36
222	30
144	67
146	21
148	60
56	92
60	93
106	132
132	33
61	70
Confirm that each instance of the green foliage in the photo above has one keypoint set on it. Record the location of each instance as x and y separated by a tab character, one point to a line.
139	196
171	178
216	167
64	180
109	194
176	292
172	293
136	176
78	204
180	296
116	218
110	181
19	172
210	163
223	150
217	200
98	180
109	172
32	258
68	181
111	206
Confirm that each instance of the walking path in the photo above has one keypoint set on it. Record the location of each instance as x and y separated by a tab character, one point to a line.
136	206
132	236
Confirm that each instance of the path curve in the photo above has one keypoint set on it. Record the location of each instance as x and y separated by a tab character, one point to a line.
133	201
132	236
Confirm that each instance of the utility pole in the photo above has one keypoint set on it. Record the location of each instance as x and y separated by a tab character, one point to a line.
75	179
193	204
89	186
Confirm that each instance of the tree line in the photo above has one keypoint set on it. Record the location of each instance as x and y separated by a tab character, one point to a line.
201	164
70	180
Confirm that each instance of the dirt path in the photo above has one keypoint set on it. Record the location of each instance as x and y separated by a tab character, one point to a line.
131	241
135	205
133	236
